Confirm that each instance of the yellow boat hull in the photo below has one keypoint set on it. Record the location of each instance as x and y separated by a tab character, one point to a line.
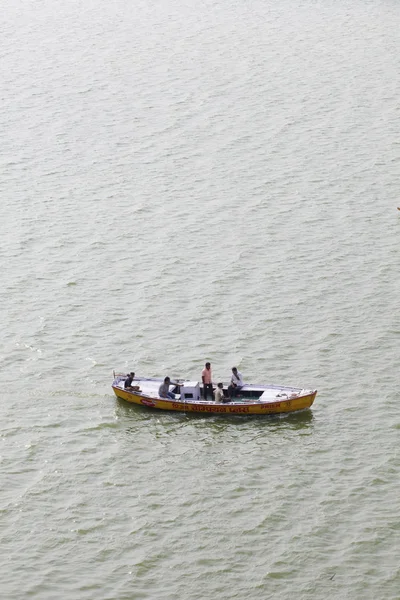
242	408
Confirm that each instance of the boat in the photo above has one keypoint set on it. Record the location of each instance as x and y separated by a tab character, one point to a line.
252	400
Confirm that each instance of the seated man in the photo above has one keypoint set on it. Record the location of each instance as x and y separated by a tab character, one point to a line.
236	383
219	393
128	383
163	390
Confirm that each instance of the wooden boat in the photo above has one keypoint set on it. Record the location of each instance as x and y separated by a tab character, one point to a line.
252	400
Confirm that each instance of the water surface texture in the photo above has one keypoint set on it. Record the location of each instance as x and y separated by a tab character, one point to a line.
192	181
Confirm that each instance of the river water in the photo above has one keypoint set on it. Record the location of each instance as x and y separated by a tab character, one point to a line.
192	181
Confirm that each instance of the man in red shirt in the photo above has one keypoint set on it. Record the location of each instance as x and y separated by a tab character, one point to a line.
206	377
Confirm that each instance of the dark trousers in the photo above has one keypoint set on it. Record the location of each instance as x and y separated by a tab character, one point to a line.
208	387
234	390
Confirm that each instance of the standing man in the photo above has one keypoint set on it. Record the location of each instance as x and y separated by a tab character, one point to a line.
236	383
206	377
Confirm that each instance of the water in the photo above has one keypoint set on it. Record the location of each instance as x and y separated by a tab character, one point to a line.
184	182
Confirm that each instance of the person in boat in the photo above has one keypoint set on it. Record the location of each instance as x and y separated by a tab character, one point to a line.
163	390
236	383
219	393
206	377
128	383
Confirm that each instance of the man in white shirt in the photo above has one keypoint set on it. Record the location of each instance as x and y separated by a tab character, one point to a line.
236	383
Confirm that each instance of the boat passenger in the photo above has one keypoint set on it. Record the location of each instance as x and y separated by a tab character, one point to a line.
236	383
219	393
163	390
128	383
206	377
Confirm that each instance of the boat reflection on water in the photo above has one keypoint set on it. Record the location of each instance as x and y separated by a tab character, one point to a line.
127	412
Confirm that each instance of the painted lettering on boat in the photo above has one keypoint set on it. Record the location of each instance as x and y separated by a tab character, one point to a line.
269	405
199	408
212	408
